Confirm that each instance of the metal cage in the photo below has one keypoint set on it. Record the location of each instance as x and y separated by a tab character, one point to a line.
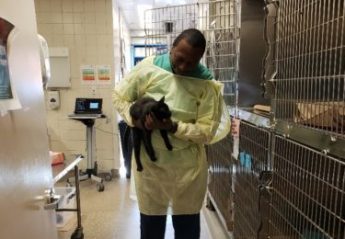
219	22
220	179
308	193
309	87
250	205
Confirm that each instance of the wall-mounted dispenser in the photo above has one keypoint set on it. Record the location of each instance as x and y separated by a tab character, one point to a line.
53	99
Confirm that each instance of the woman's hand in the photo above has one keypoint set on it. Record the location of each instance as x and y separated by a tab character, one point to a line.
235	127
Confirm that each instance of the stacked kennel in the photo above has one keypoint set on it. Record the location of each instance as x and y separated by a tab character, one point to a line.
299	189
219	22
250	178
307	89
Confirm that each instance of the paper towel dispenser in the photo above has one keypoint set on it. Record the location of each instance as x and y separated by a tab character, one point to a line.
60	68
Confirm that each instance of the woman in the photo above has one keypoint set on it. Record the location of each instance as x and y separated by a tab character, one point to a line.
178	179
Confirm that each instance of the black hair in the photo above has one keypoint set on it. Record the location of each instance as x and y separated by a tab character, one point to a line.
193	36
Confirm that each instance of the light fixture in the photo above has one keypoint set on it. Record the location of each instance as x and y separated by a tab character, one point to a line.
141	8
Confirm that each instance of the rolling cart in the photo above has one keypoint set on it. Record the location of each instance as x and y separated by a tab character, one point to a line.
92	168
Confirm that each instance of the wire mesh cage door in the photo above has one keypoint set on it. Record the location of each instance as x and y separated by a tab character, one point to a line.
308	193
250	200
310	66
220	179
308	102
219	22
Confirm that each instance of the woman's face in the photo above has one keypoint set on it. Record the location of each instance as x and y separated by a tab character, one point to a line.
184	58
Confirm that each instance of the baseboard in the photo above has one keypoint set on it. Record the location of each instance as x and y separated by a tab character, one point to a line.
214	228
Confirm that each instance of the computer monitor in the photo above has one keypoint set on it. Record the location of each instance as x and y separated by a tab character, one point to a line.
88	106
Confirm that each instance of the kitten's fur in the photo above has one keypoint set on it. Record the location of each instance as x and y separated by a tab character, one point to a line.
138	111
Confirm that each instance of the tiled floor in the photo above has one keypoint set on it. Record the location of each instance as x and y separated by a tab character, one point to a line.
113	215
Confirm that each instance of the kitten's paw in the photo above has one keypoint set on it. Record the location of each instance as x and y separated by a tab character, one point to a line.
154	159
139	168
169	147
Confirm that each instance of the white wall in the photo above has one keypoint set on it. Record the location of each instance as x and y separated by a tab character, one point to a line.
86	28
122	43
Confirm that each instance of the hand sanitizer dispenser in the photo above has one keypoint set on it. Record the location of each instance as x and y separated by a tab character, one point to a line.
53	99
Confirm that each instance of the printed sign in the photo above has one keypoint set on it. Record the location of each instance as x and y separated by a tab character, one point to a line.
5	81
88	74
103	74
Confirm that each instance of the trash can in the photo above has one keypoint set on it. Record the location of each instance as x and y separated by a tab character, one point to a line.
126	151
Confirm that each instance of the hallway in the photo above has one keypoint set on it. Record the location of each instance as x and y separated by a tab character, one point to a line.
113	215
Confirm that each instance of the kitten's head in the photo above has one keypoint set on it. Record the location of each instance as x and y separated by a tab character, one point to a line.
161	110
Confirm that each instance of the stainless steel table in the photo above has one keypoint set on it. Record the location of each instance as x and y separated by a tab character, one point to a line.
60	171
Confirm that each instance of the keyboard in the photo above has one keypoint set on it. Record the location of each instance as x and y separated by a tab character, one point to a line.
85	116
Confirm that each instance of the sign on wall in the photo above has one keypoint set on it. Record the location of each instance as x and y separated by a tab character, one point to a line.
5	82
8	96
95	75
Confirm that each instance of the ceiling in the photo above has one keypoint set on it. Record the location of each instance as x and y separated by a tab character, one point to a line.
133	10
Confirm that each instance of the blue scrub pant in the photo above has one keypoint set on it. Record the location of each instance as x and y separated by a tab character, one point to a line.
185	226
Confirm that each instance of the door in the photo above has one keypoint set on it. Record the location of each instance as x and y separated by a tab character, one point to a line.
25	170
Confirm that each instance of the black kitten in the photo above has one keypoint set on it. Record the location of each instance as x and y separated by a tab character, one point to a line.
138	111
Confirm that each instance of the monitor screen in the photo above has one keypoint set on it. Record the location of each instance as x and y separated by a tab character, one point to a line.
88	106
94	105
80	106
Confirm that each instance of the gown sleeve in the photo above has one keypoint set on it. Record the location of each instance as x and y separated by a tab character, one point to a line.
212	123
128	90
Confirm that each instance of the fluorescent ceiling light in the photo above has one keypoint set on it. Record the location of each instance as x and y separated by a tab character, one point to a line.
141	8
170	2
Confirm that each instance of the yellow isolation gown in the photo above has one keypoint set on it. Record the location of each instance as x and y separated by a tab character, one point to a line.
178	179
